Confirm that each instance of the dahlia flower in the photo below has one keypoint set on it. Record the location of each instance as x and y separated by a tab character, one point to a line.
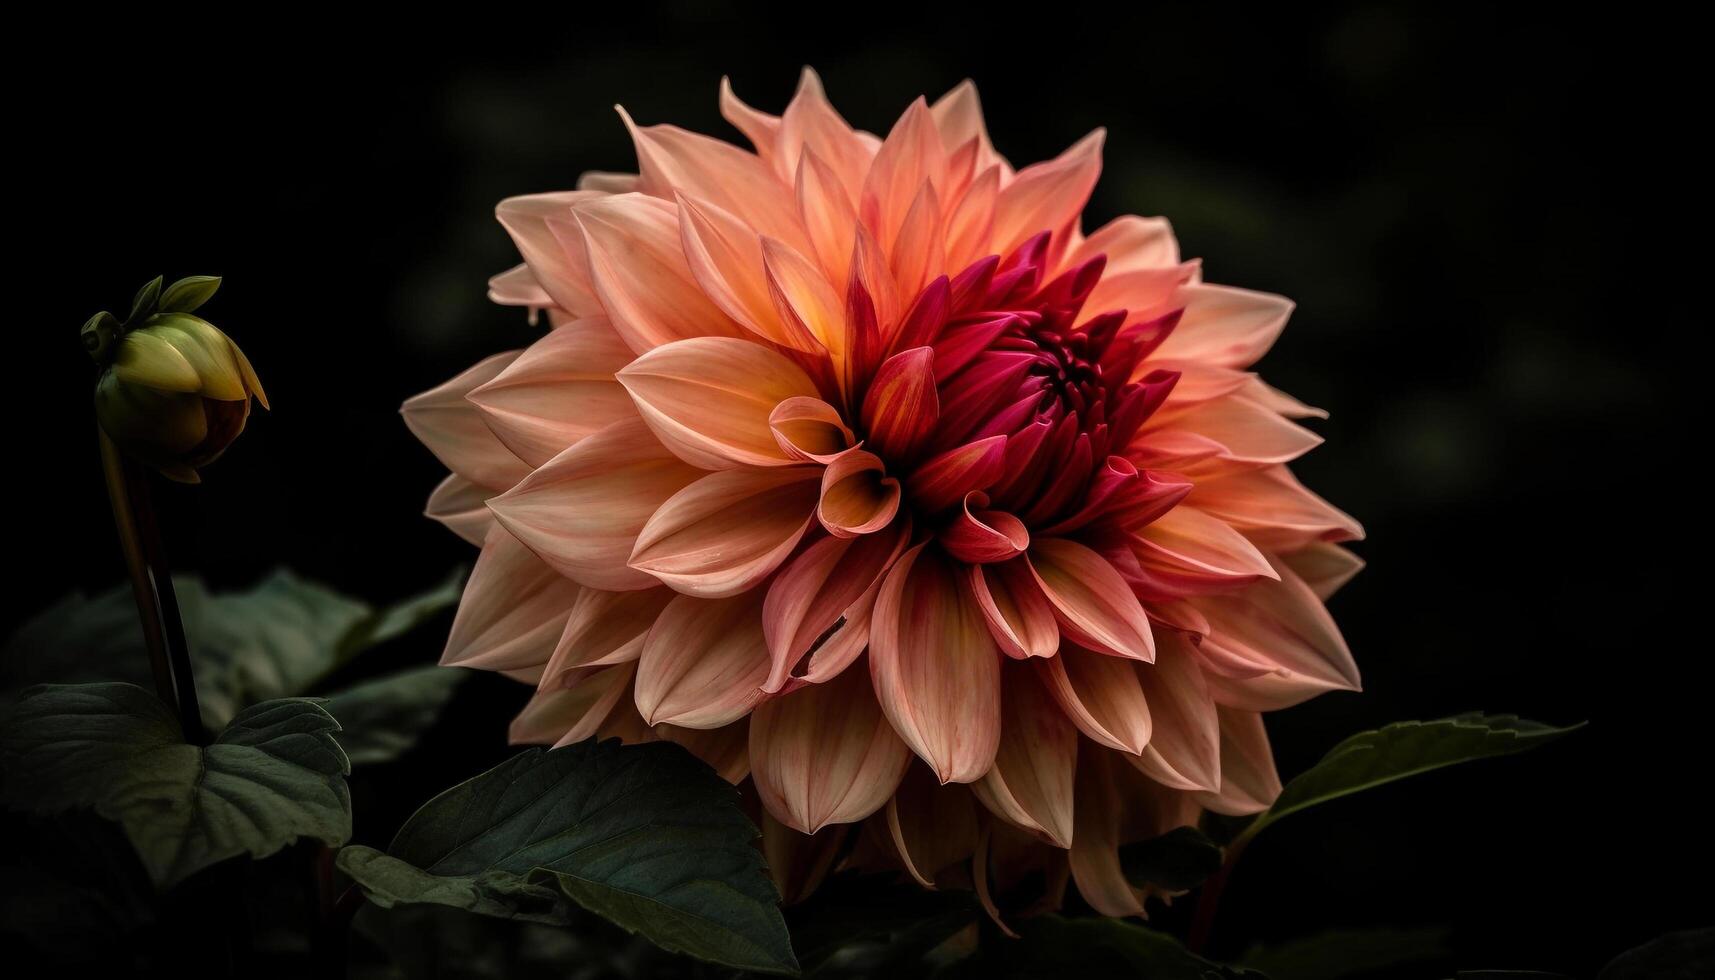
855	466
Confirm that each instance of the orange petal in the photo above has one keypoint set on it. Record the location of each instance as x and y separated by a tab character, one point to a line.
825	754
452	428
811	125
1047	196
1030	785
1273	509
1246	431
857	496
725	256
911	155
1184	751
517	286
932	827
604	628
1101	695
919	253
810	430
1187	552
825	205
1093	603
935	667
512	610
822	600
582	511
1130	243
958	117
709	399
1225	326
762	129
1096	838
557	261
1283	625
1249	782
463	507
638	271
1324	567
810	310
1018	614
558	391
703	662
563	715
726	532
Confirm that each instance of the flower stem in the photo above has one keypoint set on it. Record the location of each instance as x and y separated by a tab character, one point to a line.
1209	900
152	586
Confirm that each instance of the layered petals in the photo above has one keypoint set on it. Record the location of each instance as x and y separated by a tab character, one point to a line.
710	400
725	533
703	662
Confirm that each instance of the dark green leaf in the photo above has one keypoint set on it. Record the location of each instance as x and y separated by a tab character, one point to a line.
1053	948
859	925
1177	860
274	775
1688	955
276	640
642	835
380	719
188	293
1404	749
1342	953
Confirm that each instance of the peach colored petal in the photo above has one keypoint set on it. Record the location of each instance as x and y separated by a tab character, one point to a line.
935	667
932	827
1273	509
958	117
604	628
1249	782
1324	567
1130	243
725	256
910	155
562	715
582	510
970	222
558	391
1047	196
673	160
1019	616
709	399
703	662
824	754
762	129
517	286
1030	785
1281	624
638	270
557	263
821	601
1191	553
799	862
1226	326
725	749
1247	432
811	125
1096	839
919	253
810	430
825	206
463	507
1101	694
607	181
727	531
512	610
1184	750
443	420
811	311
857	495
1093	603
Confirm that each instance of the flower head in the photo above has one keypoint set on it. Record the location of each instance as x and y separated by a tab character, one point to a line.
857	467
174	390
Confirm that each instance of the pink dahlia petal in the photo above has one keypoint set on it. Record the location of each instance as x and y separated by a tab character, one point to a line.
1030	785
1225	326
857	496
829	212
1249	782
1246	431
563	715
910	156
811	125
1281	624
725	533
931	827
825	754
1101	694
725	256
1019	616
454	430
638	271
582	510
512	610
1187	552
901	408
559	390
1047	195
760	128
463	507
1097	836
1184	750
1131	243
1093	603
1324	567
799	862
984	536
810	430
1274	510
958	116
709	399
725	749
805	300
517	286
603	629
944	480
557	262
935	667
703	662
820	605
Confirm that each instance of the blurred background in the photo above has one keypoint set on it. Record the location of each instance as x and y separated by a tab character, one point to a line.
1477	213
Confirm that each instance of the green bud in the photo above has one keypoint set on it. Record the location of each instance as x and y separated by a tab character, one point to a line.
174	391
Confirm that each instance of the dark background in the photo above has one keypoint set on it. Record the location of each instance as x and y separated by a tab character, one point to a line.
1485	223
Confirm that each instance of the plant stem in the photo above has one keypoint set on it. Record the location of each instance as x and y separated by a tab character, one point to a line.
1209	900
152	586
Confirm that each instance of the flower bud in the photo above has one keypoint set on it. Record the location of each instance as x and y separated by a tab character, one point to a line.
174	390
